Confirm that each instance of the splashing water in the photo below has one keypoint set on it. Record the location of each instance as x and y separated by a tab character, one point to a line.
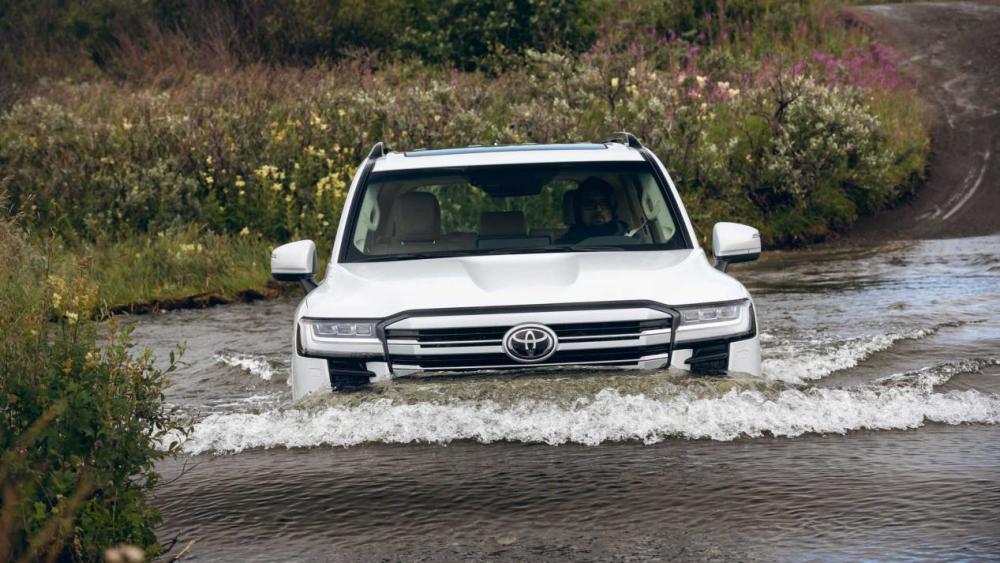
255	365
667	410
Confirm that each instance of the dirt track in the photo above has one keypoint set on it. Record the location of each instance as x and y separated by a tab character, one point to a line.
952	52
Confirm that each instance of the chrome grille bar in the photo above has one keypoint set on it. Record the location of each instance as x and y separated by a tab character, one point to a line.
624	332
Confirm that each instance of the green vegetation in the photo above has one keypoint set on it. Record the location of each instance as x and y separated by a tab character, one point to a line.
80	418
178	267
155	150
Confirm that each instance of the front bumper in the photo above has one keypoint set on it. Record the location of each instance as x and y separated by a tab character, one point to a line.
632	334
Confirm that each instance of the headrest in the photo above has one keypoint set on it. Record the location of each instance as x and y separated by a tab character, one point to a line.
416	217
569	208
501	224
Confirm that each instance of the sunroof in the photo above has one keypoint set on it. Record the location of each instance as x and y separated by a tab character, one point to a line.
509	148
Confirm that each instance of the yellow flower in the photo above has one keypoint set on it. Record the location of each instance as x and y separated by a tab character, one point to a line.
341	112
631	72
700	80
239	182
437	118
244	232
72	317
614	82
126	124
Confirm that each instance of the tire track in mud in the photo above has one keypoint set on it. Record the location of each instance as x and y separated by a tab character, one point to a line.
951	51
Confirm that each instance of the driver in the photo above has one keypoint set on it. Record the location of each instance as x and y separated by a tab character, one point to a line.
595	212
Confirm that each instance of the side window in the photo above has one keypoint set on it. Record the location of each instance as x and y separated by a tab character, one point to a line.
462	205
369	219
655	211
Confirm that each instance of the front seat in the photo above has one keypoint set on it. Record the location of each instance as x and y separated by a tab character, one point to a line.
415	222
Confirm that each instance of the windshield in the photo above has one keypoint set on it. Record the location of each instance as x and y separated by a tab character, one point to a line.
512	209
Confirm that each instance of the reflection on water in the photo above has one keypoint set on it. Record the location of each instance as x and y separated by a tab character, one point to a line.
863	341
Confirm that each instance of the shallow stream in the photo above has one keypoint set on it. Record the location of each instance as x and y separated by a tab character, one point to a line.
872	434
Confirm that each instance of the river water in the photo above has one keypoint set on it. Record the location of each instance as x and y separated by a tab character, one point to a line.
872	434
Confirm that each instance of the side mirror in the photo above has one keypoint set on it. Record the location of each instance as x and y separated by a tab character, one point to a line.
295	262
733	242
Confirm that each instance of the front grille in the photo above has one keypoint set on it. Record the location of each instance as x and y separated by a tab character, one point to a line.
478	335
614	342
622	356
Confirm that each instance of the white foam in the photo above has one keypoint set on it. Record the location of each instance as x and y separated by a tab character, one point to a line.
255	365
930	377
609	416
804	361
253	401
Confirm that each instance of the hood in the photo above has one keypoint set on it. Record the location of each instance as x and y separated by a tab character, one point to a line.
380	289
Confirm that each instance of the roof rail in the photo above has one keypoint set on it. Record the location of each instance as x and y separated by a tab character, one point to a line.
625	138
378	151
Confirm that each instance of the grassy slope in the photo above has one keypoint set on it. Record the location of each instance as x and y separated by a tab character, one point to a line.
194	180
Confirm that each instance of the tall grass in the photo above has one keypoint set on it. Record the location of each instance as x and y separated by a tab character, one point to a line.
780	114
80	417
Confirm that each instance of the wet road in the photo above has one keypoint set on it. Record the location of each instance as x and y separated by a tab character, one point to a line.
872	434
950	52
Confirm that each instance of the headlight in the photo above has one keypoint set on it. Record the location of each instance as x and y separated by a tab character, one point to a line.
711	313
715	320
334	328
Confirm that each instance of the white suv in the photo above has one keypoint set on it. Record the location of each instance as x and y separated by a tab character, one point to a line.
514	257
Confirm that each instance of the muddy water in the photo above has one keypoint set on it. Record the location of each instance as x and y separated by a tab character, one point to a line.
872	434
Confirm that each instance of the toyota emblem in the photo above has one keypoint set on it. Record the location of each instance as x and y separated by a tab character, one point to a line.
529	343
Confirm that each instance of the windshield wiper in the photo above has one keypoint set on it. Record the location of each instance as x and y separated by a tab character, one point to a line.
513	250
543	249
409	256
595	248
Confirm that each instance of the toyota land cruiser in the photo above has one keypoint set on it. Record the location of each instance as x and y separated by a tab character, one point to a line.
515	257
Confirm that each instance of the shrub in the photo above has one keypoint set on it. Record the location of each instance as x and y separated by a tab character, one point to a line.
80	416
775	113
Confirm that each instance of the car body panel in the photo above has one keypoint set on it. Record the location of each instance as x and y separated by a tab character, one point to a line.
381	289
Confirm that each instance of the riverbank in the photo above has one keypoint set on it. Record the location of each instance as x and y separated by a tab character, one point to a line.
949	51
172	187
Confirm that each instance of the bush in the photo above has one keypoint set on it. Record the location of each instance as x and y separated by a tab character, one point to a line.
80	417
271	152
776	113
